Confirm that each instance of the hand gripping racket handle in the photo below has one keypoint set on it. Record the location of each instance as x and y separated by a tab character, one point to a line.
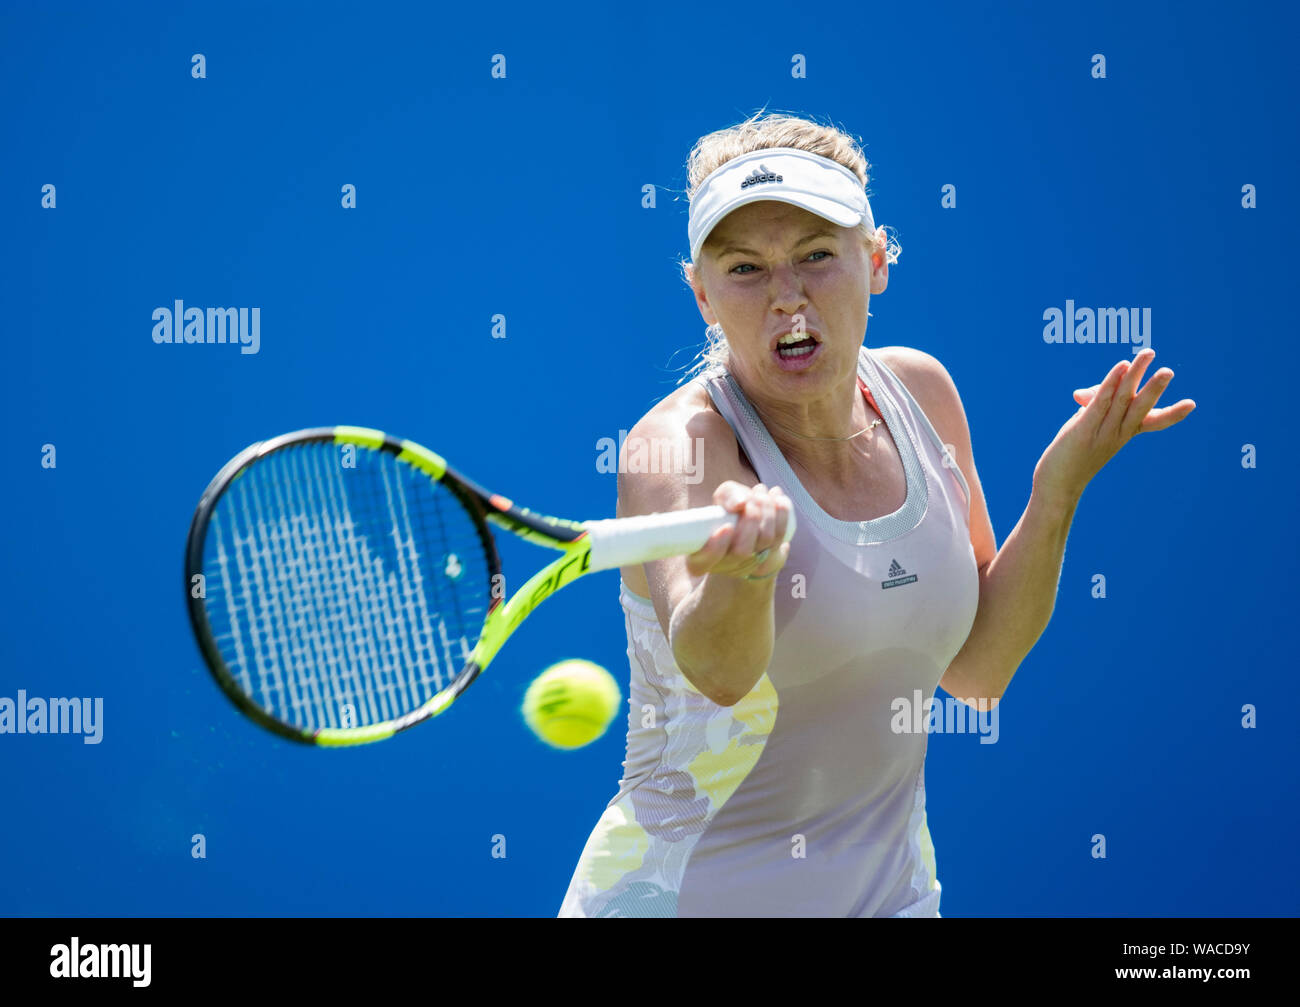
627	541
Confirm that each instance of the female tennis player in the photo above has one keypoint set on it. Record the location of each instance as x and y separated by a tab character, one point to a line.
765	775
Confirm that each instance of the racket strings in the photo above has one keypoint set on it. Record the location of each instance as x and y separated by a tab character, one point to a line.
343	597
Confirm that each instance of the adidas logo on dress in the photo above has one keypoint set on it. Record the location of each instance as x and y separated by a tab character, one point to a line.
897	576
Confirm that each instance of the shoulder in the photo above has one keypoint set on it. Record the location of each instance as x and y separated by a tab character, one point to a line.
915	366
928	381
677	453
684	414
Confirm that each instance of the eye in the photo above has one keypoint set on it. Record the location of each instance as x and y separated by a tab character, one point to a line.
820	251
743	265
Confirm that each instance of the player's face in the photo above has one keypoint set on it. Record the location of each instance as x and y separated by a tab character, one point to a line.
770	268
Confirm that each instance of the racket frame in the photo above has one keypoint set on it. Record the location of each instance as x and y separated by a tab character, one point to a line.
484	508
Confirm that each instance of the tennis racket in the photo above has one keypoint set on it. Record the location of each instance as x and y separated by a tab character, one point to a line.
344	585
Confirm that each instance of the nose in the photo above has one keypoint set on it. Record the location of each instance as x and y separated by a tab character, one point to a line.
786	289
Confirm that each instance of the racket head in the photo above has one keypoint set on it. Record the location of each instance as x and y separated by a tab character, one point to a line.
345	579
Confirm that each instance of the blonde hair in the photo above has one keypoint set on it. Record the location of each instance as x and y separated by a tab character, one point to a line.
759	132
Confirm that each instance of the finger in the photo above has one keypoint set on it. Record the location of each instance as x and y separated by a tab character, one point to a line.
1145	401
1106	393
774	561
747	525
1161	419
730	495
783	510
1117	417
763	512
767	524
1099	408
711	553
1133	376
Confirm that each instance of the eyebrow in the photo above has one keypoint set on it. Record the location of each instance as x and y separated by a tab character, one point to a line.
821	232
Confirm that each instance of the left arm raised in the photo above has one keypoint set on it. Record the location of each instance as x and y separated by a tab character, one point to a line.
1017	597
1019	581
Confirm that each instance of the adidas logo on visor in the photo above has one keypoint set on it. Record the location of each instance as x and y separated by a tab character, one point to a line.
758	176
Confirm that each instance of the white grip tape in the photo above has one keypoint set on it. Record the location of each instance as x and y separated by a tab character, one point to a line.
627	541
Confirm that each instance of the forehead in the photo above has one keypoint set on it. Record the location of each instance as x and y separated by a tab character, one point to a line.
767	219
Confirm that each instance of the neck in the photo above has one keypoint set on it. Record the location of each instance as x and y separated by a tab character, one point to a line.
827	435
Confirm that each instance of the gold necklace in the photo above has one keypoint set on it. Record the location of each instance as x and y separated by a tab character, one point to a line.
870	426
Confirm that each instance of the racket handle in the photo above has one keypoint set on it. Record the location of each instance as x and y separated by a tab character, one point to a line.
627	541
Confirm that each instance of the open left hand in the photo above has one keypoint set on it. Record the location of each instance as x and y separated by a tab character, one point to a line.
1109	416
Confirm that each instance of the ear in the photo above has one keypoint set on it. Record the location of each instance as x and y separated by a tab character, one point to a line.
879	263
701	298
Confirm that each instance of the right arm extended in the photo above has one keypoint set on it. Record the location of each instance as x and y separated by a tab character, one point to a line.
719	623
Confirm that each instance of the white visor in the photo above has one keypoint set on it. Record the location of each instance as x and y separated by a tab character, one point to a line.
815	183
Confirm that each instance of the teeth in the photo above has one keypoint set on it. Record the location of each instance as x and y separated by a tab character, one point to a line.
793	337
801	351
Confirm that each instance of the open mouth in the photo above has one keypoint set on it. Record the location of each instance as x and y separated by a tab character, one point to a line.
796	350
796	347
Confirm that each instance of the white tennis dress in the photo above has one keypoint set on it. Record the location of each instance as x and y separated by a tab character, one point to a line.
799	800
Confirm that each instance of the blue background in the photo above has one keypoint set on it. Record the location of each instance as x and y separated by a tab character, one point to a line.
522	197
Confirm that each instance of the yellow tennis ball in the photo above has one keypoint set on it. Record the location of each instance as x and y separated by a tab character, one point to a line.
571	703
